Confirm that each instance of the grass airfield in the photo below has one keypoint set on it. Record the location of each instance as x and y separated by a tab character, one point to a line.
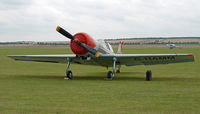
32	87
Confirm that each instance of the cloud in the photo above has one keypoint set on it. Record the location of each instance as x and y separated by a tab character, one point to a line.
36	20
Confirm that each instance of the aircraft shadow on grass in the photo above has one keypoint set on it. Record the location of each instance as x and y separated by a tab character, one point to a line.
124	76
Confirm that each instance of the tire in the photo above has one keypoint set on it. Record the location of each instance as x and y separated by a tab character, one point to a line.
69	74
148	75
110	75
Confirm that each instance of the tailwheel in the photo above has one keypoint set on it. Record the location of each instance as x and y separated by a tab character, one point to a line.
110	75
69	74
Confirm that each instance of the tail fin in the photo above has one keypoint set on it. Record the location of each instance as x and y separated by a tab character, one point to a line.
120	47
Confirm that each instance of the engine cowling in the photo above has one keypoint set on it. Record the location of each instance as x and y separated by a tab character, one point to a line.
84	38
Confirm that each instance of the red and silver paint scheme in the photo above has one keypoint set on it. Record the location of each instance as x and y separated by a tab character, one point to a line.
87	51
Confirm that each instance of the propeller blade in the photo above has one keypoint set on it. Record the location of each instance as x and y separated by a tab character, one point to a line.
65	33
68	35
89	49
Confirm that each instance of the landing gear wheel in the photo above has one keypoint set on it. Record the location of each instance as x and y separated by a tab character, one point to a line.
148	75
69	74
118	71
110	75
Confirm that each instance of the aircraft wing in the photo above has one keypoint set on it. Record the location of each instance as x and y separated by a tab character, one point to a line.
146	59
43	58
107	59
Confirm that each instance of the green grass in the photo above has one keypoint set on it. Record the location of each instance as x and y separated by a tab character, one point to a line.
31	87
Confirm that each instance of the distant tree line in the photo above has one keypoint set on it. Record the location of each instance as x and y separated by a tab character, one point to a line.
112	43
153	38
53	44
34	43
156	43
12	43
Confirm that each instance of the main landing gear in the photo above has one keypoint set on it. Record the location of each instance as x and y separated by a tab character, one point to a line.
111	74
68	72
148	75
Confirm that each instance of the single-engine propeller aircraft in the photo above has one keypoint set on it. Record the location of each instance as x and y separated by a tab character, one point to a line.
171	46
87	51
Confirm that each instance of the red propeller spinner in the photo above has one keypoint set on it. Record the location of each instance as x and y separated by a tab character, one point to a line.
84	38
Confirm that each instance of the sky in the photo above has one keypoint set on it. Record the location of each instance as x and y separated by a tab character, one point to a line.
36	20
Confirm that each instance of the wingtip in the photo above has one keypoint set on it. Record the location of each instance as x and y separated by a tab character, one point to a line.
10	56
191	54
